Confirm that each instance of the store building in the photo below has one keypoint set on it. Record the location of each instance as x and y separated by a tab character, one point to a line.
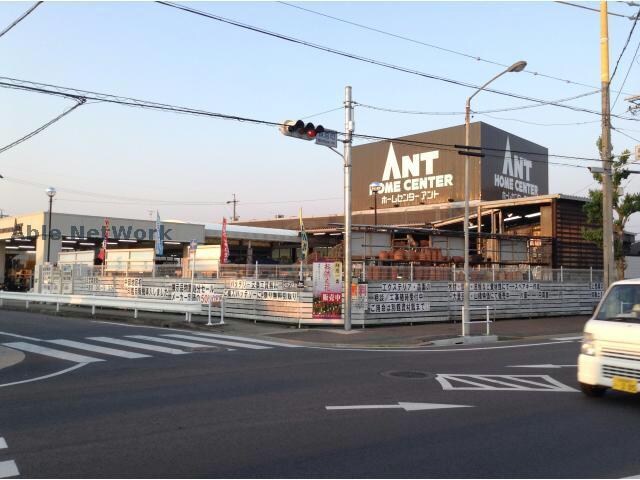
29	240
421	203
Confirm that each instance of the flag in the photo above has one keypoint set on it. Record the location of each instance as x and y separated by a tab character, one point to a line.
304	242
224	244
159	245
102	254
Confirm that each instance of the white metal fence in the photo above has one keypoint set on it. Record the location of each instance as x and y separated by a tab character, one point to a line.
361	272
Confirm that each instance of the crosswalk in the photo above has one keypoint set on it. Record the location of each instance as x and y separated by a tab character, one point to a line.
8	468
132	347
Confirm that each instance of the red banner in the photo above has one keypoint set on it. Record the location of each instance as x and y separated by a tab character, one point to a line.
224	245
102	254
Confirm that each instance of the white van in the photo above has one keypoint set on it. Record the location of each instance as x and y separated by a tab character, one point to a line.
610	353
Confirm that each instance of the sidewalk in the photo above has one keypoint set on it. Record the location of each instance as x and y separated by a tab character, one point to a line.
423	334
379	336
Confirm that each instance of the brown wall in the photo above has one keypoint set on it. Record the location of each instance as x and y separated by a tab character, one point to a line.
571	250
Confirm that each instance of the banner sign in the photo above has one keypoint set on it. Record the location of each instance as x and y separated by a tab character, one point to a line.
159	244
247	289
327	290
359	297
405	286
224	243
500	291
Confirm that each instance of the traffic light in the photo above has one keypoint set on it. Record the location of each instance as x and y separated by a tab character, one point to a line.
299	129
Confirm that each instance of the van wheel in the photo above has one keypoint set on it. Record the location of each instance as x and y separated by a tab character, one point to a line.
592	390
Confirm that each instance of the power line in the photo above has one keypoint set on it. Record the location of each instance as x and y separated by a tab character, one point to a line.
20	18
133	102
322	113
40	129
537	123
359	58
431	45
625	134
626	44
595	10
635	55
458	148
151	201
482	112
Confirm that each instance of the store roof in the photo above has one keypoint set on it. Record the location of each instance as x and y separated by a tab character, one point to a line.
252	233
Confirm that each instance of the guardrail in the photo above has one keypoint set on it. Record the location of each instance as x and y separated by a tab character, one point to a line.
135	304
487	321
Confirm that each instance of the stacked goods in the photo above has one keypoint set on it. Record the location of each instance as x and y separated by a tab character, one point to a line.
398	254
383	255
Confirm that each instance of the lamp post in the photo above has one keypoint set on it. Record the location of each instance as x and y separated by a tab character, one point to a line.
51	192
516	67
375	187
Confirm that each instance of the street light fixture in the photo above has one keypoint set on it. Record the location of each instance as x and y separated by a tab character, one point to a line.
51	192
375	187
516	67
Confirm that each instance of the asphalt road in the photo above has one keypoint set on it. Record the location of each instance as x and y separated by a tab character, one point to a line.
233	411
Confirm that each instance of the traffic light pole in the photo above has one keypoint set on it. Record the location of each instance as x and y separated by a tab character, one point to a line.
348	128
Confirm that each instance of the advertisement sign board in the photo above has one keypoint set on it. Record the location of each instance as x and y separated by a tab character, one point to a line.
512	167
426	169
327	290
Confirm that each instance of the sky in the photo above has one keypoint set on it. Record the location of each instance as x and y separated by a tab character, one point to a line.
112	160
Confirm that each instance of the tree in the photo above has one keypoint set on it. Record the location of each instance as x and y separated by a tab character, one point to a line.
624	205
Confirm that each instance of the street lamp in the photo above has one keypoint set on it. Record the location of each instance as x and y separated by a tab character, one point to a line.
375	187
51	192
516	67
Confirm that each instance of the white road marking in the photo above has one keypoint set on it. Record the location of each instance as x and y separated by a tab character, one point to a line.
540	383
434	350
20	336
568	338
247	339
406	406
98	349
141	346
50	352
129	325
61	372
546	365
8	469
170	342
219	342
3	443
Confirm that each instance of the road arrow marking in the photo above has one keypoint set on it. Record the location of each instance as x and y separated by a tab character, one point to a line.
545	365
406	406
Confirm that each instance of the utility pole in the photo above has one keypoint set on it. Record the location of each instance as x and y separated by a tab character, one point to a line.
348	128
235	202
605	154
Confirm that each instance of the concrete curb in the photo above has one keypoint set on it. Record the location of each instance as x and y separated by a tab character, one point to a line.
9	357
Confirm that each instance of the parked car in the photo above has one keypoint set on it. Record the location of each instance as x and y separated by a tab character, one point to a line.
610	352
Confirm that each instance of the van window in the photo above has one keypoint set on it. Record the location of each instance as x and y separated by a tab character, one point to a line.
620	301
